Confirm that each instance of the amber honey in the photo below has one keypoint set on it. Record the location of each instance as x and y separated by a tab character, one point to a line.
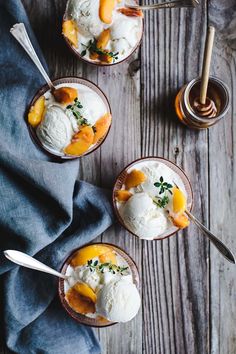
217	93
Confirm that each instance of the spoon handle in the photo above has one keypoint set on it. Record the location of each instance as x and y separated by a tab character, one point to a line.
27	261
20	34
165	5
218	244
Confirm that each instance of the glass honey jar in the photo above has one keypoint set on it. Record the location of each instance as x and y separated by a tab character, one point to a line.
216	107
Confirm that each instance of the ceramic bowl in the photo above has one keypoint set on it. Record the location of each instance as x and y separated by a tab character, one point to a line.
121	179
89	61
44	90
93	322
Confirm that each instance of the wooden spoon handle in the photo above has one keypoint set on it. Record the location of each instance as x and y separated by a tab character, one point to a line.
206	64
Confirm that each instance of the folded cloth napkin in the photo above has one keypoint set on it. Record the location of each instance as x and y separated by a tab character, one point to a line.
44	211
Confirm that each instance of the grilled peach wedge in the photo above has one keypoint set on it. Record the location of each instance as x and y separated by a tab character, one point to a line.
70	31
104	254
65	95
105	10
101	127
178	217
35	115
81	141
134	179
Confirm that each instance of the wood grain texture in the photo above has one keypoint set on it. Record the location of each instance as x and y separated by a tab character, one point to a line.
175	295
222	169
188	289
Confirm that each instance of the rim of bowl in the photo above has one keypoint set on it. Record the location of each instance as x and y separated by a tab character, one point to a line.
82	318
42	90
77	54
124	172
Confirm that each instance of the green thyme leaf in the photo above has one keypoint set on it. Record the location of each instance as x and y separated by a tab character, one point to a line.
83	53
92	48
112	268
164	188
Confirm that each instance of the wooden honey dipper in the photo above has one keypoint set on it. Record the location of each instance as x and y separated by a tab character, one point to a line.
203	105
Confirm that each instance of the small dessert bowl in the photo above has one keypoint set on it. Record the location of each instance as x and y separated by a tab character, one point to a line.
107	44
65	131
84	264
155	182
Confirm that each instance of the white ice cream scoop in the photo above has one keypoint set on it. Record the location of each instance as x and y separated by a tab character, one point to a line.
119	300
93	106
142	217
86	14
55	131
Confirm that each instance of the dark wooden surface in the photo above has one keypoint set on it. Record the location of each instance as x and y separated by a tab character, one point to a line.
188	289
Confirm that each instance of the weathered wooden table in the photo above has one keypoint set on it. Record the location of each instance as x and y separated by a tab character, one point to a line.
188	289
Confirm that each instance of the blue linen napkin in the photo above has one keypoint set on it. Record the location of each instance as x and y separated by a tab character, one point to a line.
44	211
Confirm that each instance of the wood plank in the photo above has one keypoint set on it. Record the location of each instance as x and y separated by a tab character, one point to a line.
122	146
222	149
175	271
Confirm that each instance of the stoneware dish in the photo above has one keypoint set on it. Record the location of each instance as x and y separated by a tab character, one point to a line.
93	322
85	60
122	176
66	80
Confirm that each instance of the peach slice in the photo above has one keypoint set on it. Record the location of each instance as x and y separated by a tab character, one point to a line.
123	195
79	303
65	95
179	201
84	290
35	115
105	10
134	178
93	55
81	141
89	252
130	12
103	39
105	58
108	257
180	220
101	127
70	31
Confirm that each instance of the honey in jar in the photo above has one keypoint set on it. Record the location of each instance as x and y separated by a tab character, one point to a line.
196	115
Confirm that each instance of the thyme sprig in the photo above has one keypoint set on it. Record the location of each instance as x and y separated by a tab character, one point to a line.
96	266
161	202
165	187
74	108
92	48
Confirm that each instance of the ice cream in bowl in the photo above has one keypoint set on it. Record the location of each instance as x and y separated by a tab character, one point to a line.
69	117
71	121
102	285
150	197
102	32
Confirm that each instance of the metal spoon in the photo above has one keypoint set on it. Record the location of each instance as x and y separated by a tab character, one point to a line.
20	34
27	261
217	243
164	5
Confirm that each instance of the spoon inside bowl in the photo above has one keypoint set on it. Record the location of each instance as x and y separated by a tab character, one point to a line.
62	95
215	240
27	261
164	5
217	243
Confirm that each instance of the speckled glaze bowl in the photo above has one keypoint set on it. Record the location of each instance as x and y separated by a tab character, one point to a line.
67	80
85	60
92	322
121	179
